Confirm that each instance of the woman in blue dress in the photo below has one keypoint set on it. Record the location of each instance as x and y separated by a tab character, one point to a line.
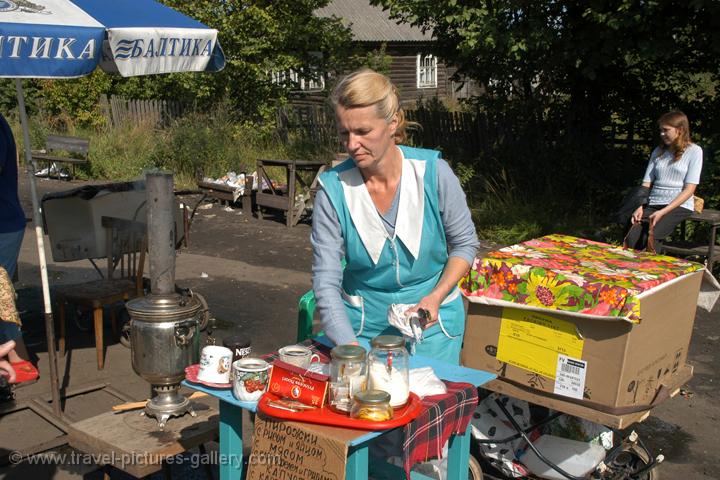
398	217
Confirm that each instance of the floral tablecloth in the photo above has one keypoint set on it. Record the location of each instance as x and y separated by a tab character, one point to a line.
571	274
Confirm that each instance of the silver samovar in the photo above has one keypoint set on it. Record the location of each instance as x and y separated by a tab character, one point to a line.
164	327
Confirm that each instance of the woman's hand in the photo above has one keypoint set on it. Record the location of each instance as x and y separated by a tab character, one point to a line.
655	217
455	269
637	215
431	306
687	192
8	371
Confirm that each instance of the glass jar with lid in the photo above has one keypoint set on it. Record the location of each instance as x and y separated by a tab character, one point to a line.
389	369
373	405
348	375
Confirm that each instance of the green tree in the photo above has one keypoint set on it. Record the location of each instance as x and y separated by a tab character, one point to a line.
563	70
75	101
258	37
607	55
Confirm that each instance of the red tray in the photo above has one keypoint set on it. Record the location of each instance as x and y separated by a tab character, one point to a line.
327	416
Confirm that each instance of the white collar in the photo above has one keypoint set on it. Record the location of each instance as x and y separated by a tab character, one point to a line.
411	207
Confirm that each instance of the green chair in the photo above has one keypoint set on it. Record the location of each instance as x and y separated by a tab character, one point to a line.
306	310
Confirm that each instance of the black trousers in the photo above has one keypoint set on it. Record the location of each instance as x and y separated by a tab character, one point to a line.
637	235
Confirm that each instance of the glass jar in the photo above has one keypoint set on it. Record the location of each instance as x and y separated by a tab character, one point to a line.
373	405
389	369
348	375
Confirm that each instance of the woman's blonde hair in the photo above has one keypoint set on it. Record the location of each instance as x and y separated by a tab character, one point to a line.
365	88
679	120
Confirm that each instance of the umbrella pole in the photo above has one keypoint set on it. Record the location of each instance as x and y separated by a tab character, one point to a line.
49	323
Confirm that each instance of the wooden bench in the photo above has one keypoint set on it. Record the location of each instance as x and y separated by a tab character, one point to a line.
707	249
58	143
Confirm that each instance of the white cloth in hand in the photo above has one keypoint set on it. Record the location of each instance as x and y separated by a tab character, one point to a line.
407	323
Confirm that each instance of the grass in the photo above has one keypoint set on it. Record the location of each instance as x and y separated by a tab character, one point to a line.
121	155
207	143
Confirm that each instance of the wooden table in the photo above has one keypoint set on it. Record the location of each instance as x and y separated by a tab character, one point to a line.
231	442
301	176
134	443
707	249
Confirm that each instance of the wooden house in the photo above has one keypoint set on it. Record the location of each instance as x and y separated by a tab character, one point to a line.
414	68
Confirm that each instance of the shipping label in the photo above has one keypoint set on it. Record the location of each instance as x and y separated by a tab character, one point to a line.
532	341
570	377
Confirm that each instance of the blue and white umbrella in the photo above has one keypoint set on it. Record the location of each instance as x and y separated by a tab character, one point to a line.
64	39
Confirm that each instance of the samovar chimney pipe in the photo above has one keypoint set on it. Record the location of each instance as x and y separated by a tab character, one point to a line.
161	232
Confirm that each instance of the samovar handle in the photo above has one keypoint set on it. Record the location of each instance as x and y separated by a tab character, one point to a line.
183	335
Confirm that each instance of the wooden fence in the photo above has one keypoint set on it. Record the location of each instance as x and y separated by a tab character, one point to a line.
455	133
310	122
452	132
120	110
463	134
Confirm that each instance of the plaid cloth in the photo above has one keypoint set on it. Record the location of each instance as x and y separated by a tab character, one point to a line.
443	416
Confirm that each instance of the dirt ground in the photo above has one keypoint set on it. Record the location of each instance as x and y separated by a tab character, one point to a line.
252	273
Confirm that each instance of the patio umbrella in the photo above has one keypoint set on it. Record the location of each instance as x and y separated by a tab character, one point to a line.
63	39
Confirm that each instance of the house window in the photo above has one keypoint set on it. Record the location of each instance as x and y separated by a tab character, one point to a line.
282	77
312	84
426	71
299	82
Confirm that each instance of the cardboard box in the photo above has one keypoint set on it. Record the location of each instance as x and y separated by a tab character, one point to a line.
579	409
282	449
599	362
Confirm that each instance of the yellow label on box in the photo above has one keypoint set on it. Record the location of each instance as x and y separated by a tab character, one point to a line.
532	341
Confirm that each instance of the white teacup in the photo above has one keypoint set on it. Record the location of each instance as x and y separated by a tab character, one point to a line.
250	378
215	364
298	355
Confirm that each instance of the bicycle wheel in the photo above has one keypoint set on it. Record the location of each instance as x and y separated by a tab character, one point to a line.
474	470
629	460
641	458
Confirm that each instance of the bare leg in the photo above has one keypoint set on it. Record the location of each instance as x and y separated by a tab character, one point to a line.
14	357
20	351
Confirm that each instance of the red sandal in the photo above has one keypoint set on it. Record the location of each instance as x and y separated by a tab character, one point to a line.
24	371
